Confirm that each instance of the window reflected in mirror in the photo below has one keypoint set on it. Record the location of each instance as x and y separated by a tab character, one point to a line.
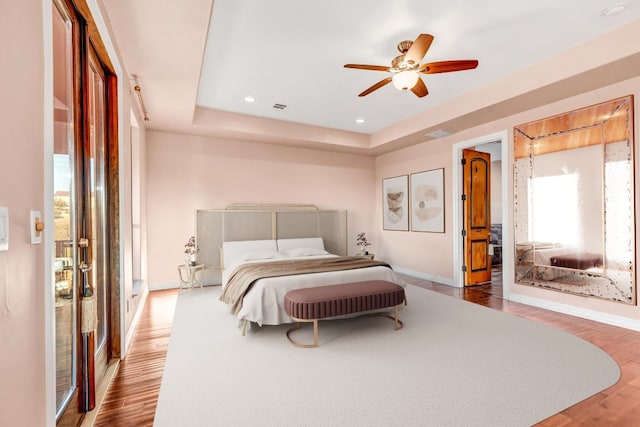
574	202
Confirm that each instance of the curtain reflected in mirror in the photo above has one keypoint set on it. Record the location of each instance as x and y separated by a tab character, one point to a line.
574	202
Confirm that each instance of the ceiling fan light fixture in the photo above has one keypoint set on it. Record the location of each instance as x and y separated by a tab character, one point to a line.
405	80
406	69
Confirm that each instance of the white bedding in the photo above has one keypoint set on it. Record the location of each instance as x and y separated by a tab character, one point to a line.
278	257
264	302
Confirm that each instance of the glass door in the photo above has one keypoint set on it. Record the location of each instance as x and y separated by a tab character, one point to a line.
82	171
96	163
65	281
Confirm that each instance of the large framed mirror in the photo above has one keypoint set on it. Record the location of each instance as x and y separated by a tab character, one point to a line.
574	202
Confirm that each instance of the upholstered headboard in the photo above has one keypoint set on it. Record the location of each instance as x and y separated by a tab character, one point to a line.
265	222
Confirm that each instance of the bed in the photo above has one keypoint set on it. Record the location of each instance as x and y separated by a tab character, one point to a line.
262	299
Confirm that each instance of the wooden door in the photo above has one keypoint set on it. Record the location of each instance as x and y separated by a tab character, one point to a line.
476	167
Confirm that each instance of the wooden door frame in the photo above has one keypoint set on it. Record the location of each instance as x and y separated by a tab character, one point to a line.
457	210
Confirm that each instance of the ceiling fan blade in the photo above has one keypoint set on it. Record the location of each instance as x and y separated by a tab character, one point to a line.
367	67
376	86
420	89
448	66
418	49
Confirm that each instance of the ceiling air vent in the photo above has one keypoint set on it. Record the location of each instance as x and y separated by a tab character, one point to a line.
279	106
441	133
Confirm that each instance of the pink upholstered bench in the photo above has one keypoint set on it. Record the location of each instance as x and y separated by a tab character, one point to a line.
311	304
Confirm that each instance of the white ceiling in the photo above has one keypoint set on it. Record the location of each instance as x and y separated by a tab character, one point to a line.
196	60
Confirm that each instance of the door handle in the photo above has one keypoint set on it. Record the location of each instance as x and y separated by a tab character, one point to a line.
84	267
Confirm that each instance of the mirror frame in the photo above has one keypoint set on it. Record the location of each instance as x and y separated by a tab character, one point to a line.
609	125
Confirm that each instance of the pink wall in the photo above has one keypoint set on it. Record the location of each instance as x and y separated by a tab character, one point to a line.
22	290
419	251
186	173
431	253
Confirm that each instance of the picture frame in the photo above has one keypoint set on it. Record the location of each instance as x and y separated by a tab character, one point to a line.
395	203
427	201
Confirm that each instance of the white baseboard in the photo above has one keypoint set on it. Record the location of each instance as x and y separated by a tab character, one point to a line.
164	286
134	322
424	276
176	285
597	316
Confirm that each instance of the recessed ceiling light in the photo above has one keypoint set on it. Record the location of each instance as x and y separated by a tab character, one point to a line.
359	120
613	9
249	99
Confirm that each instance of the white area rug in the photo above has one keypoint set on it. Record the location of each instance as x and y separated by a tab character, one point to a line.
453	364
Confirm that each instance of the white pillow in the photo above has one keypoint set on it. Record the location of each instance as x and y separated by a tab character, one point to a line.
232	251
257	255
299	252
307	242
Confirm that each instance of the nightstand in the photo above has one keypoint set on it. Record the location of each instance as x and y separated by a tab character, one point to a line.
188	279
368	256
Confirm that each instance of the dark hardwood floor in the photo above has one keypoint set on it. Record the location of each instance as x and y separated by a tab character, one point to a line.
133	394
132	397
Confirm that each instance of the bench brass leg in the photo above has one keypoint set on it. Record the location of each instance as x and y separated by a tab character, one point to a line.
298	326
397	322
395	315
315	332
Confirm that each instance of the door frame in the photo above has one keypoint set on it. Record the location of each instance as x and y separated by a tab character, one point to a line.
457	210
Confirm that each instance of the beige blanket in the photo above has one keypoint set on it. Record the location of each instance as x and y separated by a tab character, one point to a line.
242	278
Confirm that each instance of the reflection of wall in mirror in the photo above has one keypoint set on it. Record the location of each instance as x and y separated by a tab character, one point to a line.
567	198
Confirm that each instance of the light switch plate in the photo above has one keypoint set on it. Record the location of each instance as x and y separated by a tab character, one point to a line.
4	229
35	217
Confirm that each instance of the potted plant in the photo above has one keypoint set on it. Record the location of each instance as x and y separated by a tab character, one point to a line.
190	250
362	243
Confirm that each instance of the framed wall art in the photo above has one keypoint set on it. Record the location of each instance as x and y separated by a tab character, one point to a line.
395	203
427	201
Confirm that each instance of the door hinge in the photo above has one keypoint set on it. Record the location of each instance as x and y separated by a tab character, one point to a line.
463	161
464	197
464	268
464	232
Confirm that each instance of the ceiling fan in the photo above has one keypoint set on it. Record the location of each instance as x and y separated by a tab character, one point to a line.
406	67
